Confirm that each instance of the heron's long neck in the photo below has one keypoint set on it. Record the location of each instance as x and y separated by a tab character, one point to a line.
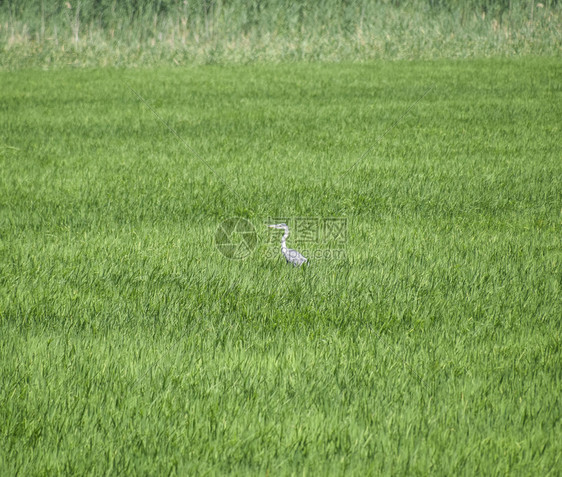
283	240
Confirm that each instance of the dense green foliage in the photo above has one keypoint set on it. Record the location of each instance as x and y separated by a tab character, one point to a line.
55	33
130	345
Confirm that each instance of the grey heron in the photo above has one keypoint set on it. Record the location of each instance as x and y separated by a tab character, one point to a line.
292	256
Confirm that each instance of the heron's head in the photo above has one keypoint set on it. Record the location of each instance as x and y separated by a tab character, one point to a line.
279	226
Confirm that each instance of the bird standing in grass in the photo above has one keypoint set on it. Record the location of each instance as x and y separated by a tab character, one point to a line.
292	256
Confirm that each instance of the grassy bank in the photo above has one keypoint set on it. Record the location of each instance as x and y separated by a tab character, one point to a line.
130	345
53	34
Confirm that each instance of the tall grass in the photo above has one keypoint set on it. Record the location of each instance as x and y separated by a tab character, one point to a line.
138	32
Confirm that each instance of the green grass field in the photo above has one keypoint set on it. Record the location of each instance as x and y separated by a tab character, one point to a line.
131	346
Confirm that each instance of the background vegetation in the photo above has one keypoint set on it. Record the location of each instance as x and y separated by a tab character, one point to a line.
51	33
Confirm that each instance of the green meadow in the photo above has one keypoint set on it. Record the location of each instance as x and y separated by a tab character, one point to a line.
131	345
149	324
